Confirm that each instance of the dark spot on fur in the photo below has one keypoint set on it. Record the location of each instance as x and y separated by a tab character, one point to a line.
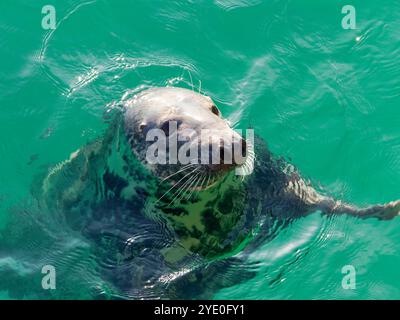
181	230
225	206
211	204
196	233
175	211
143	193
211	222
114	183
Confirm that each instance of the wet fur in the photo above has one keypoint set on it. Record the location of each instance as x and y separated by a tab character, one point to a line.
109	196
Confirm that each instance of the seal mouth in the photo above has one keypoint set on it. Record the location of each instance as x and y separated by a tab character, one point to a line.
184	180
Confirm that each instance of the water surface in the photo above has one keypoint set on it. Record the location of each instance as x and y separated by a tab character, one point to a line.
324	97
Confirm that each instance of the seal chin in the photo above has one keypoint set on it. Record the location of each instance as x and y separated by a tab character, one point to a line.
199	177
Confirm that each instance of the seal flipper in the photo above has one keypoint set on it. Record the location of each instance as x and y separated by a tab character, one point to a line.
382	211
314	201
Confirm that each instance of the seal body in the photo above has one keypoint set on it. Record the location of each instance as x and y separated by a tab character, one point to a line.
166	230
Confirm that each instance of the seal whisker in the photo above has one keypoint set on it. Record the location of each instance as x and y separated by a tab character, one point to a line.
176	184
182	188
208	181
246	169
202	182
191	191
188	187
191	79
194	188
250	152
179	171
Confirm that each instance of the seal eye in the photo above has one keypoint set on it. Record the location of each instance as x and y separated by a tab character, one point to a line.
214	110
170	124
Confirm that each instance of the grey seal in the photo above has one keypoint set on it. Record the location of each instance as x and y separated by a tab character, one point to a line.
166	230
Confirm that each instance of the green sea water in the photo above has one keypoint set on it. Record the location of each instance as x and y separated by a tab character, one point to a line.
324	97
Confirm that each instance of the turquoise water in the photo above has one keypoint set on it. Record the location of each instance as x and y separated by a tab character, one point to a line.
325	98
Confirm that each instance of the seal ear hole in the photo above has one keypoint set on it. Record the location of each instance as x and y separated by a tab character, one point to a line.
215	110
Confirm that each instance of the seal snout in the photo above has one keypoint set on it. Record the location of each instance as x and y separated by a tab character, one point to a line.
230	155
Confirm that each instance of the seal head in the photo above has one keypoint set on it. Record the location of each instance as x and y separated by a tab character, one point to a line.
197	140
